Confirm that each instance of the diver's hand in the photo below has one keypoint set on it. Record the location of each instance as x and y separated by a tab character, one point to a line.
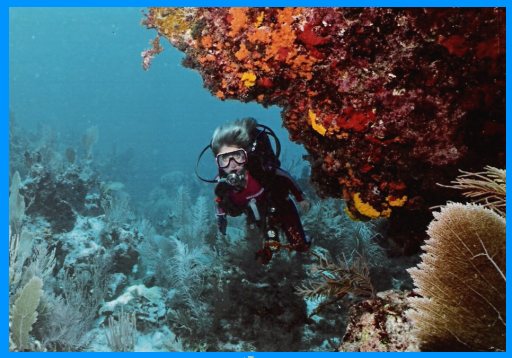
263	256
304	206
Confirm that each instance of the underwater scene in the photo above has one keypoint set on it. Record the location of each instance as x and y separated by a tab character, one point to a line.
243	179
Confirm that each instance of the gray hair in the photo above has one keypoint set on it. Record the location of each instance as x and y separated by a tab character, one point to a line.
236	133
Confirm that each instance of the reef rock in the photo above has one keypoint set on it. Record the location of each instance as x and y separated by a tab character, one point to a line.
380	325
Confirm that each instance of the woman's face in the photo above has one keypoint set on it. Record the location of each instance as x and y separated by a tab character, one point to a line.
235	160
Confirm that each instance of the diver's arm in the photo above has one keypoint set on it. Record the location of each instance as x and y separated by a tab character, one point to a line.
291	184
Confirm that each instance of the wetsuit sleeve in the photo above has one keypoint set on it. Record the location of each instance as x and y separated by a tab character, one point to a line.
290	183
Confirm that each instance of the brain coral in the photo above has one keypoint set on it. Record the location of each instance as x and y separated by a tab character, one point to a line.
387	102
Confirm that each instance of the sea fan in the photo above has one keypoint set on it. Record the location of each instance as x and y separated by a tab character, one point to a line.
462	281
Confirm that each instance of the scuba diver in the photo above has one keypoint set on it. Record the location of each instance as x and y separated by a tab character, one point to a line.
251	181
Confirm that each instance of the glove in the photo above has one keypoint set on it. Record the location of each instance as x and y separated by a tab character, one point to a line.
264	255
222	224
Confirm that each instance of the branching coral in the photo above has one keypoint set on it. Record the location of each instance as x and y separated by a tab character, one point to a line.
338	281
386	101
487	188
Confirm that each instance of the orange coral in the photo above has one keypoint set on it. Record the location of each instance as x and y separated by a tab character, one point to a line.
242	53
238	19
206	41
261	35
207	58
259	19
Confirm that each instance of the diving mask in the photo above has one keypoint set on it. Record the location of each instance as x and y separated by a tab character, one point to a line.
239	156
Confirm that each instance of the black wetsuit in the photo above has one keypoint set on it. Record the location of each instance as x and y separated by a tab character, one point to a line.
268	206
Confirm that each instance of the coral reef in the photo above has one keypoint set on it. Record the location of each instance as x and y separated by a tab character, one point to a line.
386	101
168	282
183	287
380	325
272	317
58	198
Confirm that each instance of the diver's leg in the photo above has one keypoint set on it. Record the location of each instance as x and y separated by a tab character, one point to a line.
292	226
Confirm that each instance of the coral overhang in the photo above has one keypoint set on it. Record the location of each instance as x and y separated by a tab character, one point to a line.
387	102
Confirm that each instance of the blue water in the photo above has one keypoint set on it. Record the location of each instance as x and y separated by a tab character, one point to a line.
74	68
